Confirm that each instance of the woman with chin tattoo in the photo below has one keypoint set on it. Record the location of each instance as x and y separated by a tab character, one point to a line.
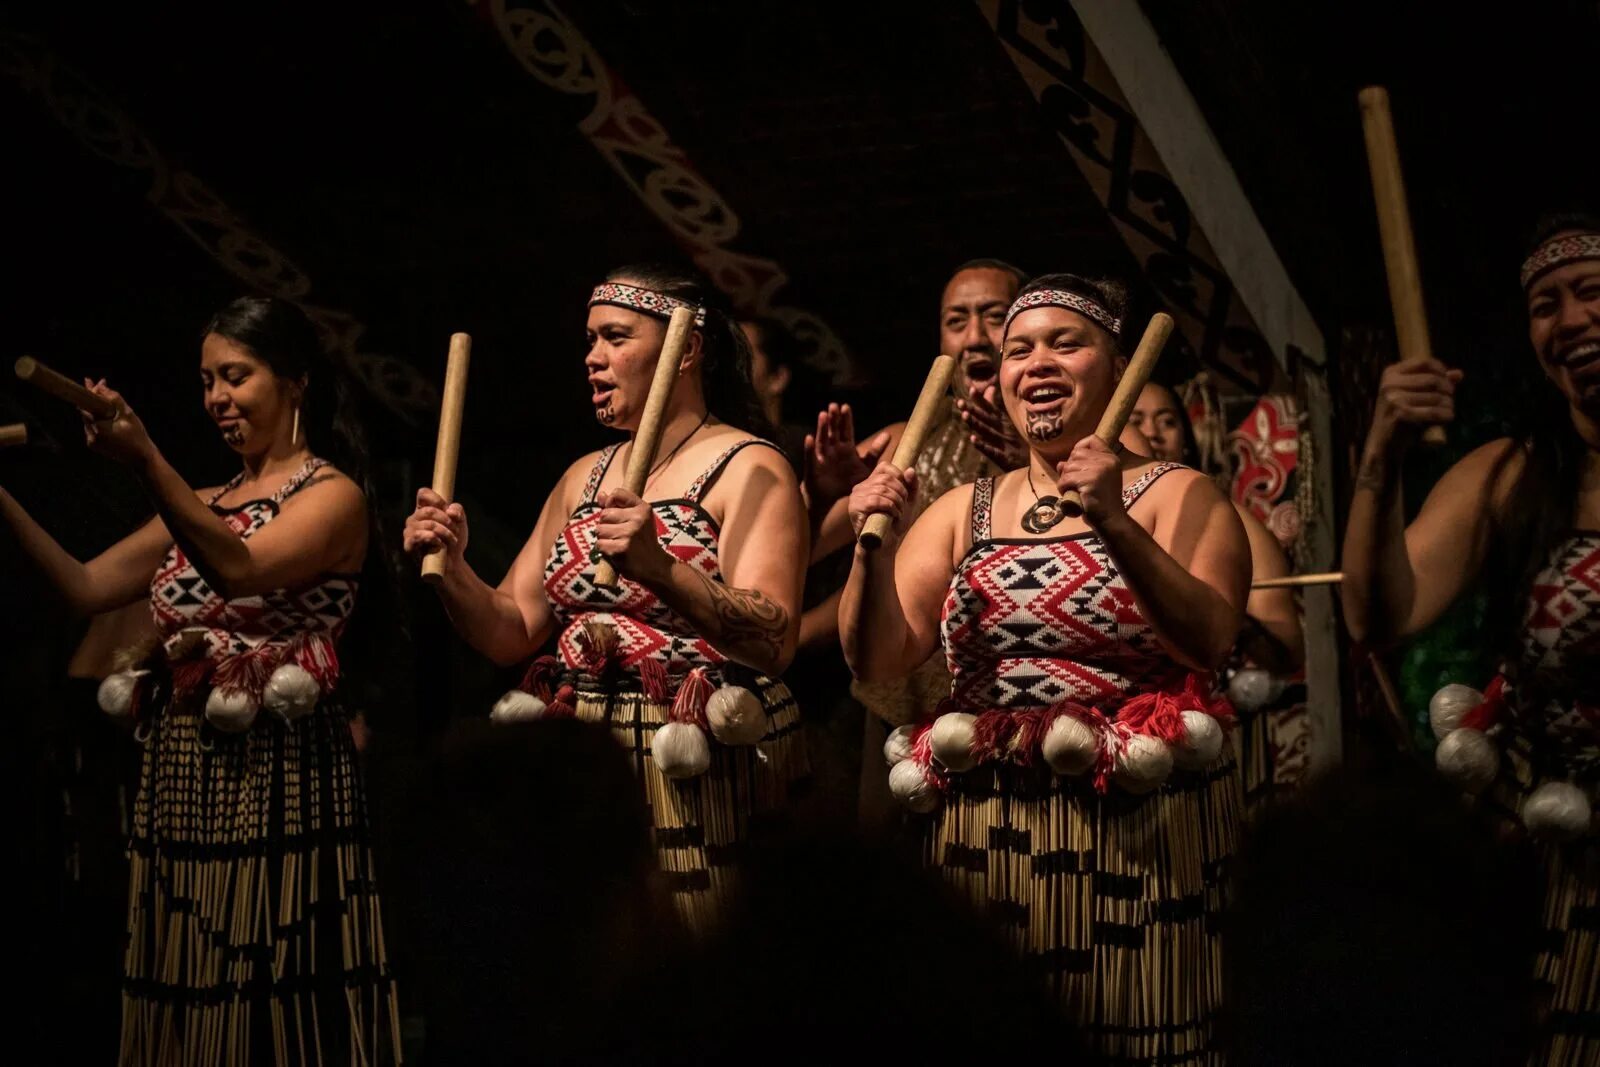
1523	514
1081	651
253	919
682	657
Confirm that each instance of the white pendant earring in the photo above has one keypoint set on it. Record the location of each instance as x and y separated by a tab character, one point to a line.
294	432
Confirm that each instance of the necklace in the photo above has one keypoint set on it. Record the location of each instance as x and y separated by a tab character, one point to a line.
659	467
1045	513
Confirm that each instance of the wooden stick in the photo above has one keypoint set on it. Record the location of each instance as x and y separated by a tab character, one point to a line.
1391	699
13	434
1394	229
61	387
1127	394
642	456
448	447
934	387
1295	581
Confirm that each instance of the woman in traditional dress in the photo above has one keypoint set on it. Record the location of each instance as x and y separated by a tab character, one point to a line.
1081	652
1271	649
1524	513
692	640
253	918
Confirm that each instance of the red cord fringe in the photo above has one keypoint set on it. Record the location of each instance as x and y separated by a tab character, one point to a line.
1492	711
690	706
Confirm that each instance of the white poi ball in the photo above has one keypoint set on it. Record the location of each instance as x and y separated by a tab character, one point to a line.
1070	745
291	692
231	710
1559	811
115	695
681	750
517	706
1201	744
736	716
1468	758
1143	763
952	738
911	787
1252	688
1448	705
897	747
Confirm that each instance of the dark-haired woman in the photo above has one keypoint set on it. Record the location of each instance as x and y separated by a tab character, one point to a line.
682	657
1081	652
1524	514
253	919
1271	647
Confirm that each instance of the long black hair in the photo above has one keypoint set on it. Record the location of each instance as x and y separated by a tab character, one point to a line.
1190	457
279	334
724	352
1543	499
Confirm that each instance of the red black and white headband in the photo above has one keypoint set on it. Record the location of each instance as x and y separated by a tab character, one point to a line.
1061	298
1558	252
644	301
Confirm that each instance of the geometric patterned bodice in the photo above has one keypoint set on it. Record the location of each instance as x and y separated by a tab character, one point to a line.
181	600
645	627
1031	623
1556	677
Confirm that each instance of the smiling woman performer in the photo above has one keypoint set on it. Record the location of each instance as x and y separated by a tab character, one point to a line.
1523	512
254	930
1085	642
692	639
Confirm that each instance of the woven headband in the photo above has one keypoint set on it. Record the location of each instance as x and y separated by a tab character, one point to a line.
1558	252
644	301
1061	298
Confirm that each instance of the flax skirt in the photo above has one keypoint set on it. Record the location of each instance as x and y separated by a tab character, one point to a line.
255	934
701	825
1112	901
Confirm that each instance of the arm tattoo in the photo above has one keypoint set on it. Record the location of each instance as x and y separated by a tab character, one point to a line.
1373	474
745	619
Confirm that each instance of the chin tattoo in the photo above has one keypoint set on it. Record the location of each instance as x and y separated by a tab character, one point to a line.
233	437
607	416
1045	427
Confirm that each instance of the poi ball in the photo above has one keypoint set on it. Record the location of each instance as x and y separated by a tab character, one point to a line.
1468	758
115	695
1559	811
898	746
231	710
1201	744
681	750
1448	705
1070	745
952	738
736	716
291	692
1251	688
517	706
912	788
1143	764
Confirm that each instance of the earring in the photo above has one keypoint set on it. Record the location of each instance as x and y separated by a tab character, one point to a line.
294	432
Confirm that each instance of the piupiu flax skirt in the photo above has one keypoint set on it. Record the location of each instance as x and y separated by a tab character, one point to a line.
701	825
1111	900
255	935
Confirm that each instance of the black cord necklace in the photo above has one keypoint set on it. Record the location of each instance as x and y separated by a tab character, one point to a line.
1046	512
659	467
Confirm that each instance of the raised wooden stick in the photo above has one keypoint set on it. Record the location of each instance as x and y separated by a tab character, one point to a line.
642	456
61	387
1127	394
934	387
1295	581
15	433
1394	229
448	447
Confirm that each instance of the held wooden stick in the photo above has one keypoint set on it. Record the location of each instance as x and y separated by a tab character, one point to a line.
934	388
642	456
449	444
1127	394
61	387
13	434
1296	581
1394	229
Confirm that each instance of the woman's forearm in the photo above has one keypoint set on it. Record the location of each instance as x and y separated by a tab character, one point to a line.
216	551
746	625
1379	584
872	623
66	574
487	618
1192	619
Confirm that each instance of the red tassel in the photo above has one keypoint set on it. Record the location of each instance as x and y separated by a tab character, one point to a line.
991	733
598	644
246	671
922	753
654	681
188	678
1027	734
693	694
1156	713
1200	694
1112	742
561	702
1493	709
318	657
539	679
